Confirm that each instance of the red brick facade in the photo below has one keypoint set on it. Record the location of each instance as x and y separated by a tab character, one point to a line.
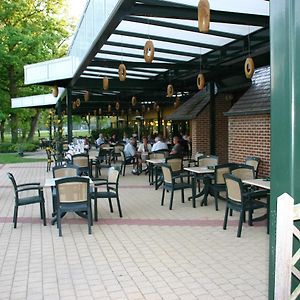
236	136
250	136
201	130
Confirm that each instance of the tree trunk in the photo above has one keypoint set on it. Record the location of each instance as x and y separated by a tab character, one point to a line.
13	94
2	123
14	128
33	125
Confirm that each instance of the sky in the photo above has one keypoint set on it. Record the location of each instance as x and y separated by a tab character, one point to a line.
76	8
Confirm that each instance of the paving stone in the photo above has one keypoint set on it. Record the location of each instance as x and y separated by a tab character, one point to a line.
151	253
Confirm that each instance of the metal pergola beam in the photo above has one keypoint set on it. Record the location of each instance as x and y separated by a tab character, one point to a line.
180	27
162	10
132	65
157	49
120	54
165	39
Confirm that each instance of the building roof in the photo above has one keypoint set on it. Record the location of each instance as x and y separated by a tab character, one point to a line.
181	51
257	98
192	108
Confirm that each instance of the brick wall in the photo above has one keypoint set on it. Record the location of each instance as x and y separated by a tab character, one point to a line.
222	105
250	136
201	130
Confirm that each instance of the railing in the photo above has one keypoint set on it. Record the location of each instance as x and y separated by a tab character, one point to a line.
285	261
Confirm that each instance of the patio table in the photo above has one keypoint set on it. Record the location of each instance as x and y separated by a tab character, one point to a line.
196	171
259	182
154	162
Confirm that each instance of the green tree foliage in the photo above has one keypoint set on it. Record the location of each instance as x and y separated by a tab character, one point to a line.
30	31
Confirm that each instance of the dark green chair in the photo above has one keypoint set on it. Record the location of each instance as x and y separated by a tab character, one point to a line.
125	162
254	162
111	185
59	172
73	195
82	162
240	201
172	182
214	185
38	197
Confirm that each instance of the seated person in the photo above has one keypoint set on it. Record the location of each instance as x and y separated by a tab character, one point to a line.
86	145
130	152
159	144
125	138
113	139
100	140
177	148
142	152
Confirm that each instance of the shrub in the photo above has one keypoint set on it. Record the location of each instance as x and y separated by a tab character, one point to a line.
9	148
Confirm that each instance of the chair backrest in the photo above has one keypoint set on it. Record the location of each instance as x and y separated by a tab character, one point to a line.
208	160
254	162
13	181
61	171
80	160
167	173
160	154
113	175
220	170
72	189
234	188
104	145
243	171
118	148
175	163
198	154
122	156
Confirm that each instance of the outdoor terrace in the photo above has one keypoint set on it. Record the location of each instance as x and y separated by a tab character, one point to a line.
151	253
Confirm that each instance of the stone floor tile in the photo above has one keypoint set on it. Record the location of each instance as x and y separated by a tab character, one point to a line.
151	253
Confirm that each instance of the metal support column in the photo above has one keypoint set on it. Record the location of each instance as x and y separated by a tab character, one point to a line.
285	112
212	117
69	115
158	122
59	126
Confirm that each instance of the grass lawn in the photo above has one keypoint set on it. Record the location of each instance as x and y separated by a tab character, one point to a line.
12	158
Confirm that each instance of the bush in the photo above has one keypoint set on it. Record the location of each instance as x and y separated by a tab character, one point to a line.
7	148
10	148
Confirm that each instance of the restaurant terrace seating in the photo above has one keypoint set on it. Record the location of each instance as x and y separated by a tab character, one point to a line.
83	164
59	172
117	151
73	196
239	200
216	184
254	162
124	162
171	184
111	190
37	196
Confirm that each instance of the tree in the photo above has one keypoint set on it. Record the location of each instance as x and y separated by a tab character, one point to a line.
30	31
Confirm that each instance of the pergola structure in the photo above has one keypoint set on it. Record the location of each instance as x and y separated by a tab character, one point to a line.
238	28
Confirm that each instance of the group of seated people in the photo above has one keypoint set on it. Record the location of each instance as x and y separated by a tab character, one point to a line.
137	156
102	140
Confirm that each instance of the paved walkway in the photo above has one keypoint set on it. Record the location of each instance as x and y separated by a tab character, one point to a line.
151	253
